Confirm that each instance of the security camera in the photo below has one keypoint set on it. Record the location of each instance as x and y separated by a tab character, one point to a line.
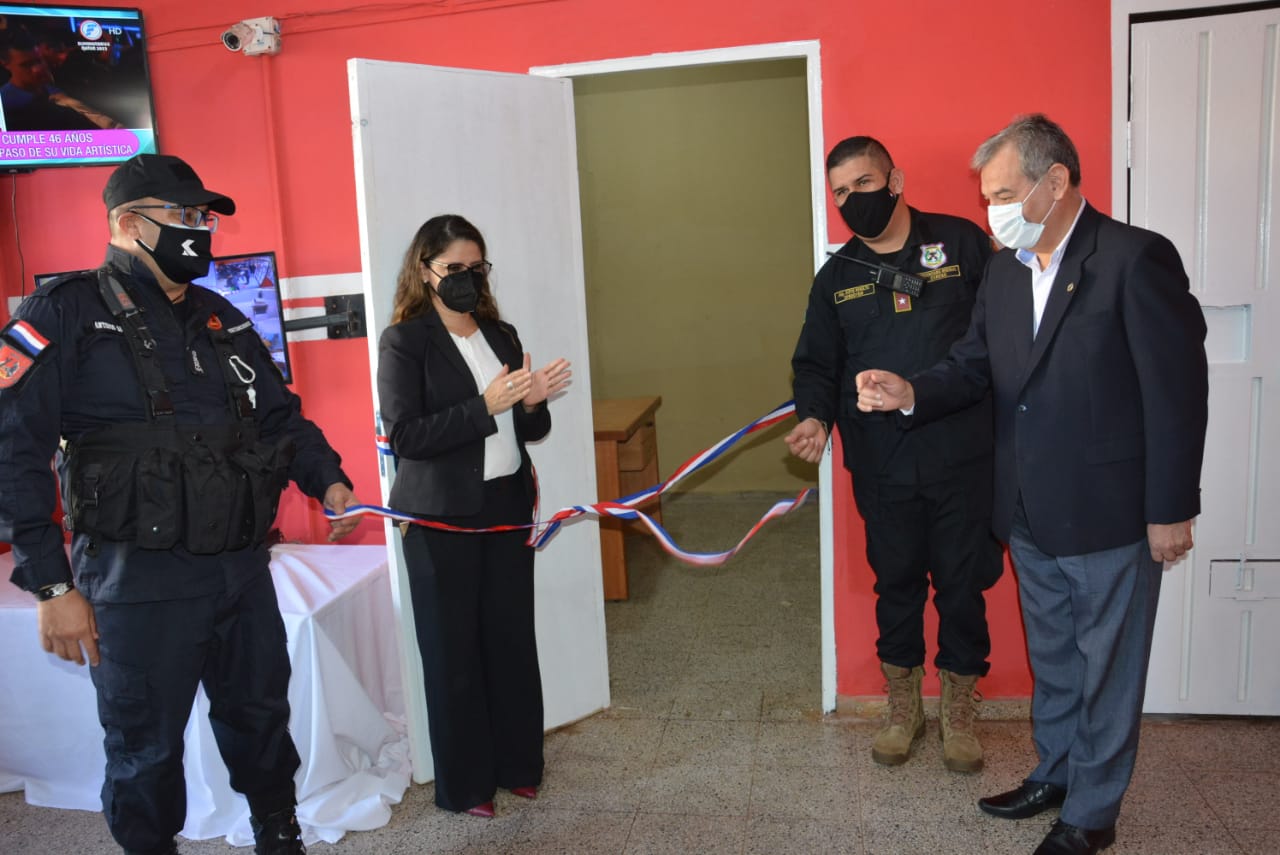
253	36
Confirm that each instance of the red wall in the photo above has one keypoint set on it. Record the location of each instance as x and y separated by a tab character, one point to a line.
931	78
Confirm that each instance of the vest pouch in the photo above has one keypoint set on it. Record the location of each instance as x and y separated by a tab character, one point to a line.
266	470
101	496
209	486
240	512
160	500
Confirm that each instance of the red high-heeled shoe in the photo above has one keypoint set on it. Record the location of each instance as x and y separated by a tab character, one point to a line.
525	792
485	810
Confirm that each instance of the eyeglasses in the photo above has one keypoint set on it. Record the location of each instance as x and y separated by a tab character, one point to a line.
191	217
483	268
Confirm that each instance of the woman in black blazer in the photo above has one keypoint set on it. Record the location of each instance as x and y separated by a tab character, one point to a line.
459	402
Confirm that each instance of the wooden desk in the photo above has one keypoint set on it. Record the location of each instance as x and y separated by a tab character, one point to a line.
626	461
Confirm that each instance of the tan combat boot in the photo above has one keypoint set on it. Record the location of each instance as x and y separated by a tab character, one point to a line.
904	722
961	751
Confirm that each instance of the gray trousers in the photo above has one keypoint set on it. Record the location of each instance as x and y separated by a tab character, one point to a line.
1089	621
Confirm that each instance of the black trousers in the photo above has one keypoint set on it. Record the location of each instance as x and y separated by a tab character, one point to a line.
939	533
473	607
153	656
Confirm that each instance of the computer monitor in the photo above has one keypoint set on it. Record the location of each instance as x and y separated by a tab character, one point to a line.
249	281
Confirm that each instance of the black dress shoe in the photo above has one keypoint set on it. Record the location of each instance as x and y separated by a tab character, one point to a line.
1029	799
1066	839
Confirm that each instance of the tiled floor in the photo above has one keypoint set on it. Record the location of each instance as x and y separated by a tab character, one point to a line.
715	744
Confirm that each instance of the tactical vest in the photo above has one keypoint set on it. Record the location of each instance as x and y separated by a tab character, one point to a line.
209	488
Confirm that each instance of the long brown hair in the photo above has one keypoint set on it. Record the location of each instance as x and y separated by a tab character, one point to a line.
413	296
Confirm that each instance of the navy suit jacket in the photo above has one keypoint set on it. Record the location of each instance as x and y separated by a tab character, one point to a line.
1100	420
437	420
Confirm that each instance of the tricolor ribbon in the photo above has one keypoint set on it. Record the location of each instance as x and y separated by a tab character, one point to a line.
626	507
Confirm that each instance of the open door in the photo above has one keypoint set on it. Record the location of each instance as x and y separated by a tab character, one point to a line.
1203	172
498	149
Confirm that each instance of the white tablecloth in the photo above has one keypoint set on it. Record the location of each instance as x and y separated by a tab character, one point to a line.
346	698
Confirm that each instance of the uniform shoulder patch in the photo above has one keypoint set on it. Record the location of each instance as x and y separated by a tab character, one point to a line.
14	364
21	346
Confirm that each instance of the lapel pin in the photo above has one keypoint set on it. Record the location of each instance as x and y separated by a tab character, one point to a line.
1071	287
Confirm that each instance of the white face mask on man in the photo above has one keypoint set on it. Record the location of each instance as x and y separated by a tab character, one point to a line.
1011	228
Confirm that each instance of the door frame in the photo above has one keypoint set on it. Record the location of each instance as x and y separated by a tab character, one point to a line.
810	52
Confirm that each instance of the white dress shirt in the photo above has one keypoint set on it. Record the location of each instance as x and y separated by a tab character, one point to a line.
501	454
1042	280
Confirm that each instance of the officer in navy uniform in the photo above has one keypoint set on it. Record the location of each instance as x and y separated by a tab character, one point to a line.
178	435
925	495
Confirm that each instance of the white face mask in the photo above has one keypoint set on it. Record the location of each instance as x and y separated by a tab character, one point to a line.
1011	228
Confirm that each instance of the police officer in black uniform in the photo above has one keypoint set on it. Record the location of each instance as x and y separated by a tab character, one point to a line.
178	435
925	494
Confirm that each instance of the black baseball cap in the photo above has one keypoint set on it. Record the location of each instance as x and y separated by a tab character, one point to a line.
161	176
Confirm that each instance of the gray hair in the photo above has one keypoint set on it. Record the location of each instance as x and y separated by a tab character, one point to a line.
1040	144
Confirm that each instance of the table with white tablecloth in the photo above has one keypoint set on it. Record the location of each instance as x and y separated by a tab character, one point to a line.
345	694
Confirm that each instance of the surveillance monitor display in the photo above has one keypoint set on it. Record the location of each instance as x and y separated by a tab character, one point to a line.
42	278
250	283
74	86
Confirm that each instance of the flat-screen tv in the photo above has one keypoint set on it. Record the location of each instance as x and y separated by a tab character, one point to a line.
74	86
250	283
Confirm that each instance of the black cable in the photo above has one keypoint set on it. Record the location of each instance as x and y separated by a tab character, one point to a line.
17	237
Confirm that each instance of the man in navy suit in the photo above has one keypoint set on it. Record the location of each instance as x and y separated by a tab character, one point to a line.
1087	336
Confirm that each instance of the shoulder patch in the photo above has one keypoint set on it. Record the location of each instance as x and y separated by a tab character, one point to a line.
21	346
26	337
14	364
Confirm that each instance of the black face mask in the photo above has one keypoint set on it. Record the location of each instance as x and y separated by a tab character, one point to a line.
868	214
459	291
181	253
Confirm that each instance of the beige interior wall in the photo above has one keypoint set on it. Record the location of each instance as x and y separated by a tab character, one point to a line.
697	228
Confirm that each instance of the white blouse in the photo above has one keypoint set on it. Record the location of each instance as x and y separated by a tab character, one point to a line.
501	454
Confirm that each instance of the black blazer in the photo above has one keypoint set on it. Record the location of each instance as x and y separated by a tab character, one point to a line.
436	418
1100	421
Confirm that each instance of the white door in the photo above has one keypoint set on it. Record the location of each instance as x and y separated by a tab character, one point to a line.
1204	173
500	150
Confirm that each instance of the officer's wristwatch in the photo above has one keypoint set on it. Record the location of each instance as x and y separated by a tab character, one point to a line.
48	592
